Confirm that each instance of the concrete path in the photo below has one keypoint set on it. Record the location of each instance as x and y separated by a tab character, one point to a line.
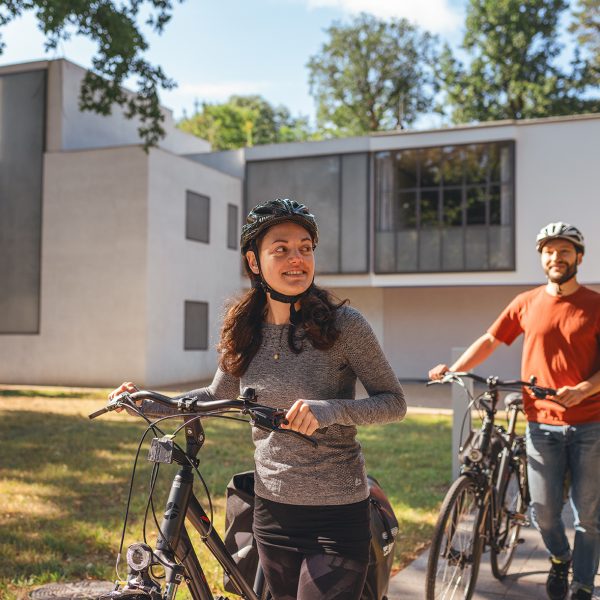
526	578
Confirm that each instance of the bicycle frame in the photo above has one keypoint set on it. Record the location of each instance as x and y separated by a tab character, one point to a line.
182	504
493	475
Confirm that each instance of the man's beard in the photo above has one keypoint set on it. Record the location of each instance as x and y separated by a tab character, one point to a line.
566	276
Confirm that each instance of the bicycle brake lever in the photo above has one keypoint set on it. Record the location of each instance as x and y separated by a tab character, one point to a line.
112	404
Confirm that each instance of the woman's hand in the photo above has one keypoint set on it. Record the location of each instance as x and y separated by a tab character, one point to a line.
126	386
301	419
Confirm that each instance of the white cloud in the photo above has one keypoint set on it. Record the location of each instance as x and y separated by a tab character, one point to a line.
438	16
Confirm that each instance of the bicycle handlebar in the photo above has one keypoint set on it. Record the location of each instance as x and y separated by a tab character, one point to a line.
495	383
263	417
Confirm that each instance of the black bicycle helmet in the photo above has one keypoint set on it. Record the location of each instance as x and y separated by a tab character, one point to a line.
562	231
261	218
272	212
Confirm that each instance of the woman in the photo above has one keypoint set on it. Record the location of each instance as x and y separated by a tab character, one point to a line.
302	352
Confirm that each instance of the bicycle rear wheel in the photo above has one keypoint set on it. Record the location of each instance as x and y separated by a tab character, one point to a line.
456	547
511	516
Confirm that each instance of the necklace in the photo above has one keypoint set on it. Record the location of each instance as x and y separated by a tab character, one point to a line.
277	349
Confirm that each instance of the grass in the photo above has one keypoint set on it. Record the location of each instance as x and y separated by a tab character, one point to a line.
64	483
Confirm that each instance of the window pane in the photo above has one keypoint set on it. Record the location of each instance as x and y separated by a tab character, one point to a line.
406	215
429	250
232	226
22	129
431	174
476	206
355	216
196	326
197	222
452	166
429	208
313	181
476	163
406	169
384	252
452	206
476	247
452	249
501	247
406	250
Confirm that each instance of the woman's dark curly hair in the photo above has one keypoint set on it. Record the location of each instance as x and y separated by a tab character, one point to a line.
241	335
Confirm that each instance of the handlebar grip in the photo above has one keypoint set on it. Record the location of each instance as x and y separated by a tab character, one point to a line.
98	413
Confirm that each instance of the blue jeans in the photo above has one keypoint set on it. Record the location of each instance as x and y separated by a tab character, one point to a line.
552	451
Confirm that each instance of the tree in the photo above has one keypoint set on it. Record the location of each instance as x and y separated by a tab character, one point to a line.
587	28
512	74
121	44
371	75
245	121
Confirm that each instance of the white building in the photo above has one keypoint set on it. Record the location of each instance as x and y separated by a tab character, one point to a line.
114	263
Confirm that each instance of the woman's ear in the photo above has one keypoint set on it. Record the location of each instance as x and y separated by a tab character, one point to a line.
252	263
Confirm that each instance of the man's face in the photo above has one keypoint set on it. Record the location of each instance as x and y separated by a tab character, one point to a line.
560	260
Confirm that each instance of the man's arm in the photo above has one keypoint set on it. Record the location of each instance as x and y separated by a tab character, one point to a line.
474	355
571	395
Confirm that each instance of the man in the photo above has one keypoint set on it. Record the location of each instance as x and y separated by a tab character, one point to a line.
561	326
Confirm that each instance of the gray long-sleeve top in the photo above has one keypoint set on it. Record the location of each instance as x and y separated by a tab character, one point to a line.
289	470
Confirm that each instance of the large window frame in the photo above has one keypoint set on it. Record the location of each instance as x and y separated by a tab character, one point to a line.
433	204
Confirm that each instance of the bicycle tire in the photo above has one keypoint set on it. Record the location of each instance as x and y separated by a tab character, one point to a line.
456	548
512	508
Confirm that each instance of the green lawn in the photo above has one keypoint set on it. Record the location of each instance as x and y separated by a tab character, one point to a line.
64	483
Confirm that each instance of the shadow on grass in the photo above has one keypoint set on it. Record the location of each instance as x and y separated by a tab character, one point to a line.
66	481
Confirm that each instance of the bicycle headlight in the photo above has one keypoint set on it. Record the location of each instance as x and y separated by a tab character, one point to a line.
474	455
139	556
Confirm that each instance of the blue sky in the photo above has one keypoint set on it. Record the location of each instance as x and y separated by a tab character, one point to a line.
215	48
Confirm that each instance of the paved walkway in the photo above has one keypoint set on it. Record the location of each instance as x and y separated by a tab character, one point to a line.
526	578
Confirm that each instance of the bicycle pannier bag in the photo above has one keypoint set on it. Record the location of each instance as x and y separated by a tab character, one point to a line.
384	530
239	540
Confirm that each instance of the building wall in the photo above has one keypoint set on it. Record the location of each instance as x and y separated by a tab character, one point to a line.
87	129
180	269
93	323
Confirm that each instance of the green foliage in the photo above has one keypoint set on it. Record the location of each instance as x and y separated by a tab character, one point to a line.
245	121
512	72
371	75
120	43
587	28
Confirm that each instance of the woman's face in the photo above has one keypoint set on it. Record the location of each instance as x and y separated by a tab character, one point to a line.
287	259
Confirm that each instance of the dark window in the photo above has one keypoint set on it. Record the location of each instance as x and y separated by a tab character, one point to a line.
232	226
448	208
335	189
197	217
22	126
196	325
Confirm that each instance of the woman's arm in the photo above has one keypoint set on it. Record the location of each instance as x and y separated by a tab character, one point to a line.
385	403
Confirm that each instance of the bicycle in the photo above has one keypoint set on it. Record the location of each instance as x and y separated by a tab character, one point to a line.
486	505
174	552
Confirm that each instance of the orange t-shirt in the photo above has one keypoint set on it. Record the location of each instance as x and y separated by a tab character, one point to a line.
561	347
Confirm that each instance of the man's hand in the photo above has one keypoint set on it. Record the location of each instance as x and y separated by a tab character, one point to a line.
301	419
438	372
570	395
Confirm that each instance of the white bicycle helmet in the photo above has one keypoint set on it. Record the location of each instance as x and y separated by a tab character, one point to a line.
562	231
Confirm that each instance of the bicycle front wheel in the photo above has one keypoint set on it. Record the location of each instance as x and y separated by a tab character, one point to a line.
456	547
512	507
